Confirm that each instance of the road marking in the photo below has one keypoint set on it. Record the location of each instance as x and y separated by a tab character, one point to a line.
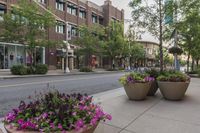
53	81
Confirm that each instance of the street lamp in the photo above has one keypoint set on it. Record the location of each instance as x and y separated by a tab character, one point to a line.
65	51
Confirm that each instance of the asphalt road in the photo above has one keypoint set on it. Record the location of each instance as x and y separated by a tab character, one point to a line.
12	91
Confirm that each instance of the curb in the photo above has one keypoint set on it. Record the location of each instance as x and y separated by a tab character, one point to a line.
67	74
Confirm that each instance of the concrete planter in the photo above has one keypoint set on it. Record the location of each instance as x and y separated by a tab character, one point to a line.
137	91
153	89
173	90
14	130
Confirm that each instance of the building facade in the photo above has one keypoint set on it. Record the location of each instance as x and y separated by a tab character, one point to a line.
70	14
151	50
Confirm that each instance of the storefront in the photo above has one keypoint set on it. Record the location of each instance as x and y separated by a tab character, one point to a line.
16	54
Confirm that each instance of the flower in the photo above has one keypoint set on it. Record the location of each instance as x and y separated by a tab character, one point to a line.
57	112
79	124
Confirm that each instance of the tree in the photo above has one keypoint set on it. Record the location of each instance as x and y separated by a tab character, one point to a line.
27	25
90	41
189	29
150	16
114	43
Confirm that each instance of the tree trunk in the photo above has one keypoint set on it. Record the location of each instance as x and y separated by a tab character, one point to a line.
188	61
161	35
197	63
192	67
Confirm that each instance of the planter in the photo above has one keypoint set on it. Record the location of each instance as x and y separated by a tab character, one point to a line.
173	90
14	130
153	89
137	91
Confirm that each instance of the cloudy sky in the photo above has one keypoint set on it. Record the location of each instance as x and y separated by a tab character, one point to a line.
123	4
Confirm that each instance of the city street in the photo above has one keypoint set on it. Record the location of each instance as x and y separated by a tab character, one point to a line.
12	91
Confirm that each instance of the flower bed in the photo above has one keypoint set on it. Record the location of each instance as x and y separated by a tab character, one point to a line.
56	112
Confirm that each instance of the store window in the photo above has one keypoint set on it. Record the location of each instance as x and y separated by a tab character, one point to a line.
42	1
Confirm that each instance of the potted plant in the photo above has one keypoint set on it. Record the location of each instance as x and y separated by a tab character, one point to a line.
56	112
173	85
154	85
136	85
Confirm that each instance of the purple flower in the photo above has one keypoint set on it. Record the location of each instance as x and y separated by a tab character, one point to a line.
109	117
10	117
148	79
60	126
93	122
44	115
79	124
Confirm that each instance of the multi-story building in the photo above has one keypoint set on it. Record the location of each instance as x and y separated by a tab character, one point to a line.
151	49
69	14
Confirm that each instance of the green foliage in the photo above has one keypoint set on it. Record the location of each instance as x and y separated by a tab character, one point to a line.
173	76
86	69
26	25
175	50
41	69
153	73
19	70
135	77
24	70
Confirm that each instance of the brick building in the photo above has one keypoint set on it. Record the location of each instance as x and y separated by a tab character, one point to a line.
70	14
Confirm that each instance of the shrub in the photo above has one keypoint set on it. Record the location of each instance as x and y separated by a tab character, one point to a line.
111	69
135	78
173	76
19	70
56	112
41	69
198	71
85	69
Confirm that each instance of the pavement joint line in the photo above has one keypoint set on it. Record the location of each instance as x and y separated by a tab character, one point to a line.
184	122
140	115
127	131
53	81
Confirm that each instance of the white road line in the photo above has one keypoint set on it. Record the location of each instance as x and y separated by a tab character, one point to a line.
53	81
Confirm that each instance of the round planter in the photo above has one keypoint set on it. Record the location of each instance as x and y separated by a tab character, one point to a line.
14	130
137	91
153	89
173	90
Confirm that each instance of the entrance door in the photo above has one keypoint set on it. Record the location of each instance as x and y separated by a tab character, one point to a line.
1	57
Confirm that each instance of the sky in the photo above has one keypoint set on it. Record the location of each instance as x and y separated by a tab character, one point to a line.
123	4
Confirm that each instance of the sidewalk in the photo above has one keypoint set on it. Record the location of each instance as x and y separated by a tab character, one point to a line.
154	115
6	74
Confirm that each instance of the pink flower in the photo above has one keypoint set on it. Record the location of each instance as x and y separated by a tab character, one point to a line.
79	124
60	126
109	117
10	117
93	122
44	115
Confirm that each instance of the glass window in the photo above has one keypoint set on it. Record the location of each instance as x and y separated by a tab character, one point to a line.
42	1
82	13
2	12
60	28
60	6
94	18
72	31
72	9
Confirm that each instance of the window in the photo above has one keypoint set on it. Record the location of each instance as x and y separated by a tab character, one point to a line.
72	31
42	1
94	18
149	50
2	11
60	27
82	13
60	5
72	9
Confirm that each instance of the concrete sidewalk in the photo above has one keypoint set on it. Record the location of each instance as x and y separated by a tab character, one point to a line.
6	74
154	115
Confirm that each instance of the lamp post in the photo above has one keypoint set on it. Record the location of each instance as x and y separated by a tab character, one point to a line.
66	63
